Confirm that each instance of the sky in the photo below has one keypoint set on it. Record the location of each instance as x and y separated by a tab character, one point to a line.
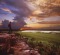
35	13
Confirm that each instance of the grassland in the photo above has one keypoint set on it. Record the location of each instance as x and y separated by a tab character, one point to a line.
44	37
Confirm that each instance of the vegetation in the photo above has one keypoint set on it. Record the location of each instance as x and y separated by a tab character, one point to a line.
46	43
43	37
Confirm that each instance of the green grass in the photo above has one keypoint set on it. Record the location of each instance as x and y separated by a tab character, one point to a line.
44	37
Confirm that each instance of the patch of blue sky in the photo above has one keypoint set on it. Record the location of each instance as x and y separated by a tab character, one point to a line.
9	7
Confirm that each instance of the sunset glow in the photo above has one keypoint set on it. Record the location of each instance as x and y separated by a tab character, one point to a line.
36	12
37	25
31	13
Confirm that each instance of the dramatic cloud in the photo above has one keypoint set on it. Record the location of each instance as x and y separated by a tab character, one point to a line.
37	8
30	11
19	21
17	9
46	8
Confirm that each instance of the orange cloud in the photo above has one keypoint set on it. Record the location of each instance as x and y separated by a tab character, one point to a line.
6	9
45	8
50	22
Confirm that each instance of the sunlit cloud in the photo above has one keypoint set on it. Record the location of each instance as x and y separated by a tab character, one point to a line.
53	18
34	20
37	12
6	9
45	8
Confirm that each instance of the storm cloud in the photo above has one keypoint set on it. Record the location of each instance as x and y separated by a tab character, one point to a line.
21	9
17	7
